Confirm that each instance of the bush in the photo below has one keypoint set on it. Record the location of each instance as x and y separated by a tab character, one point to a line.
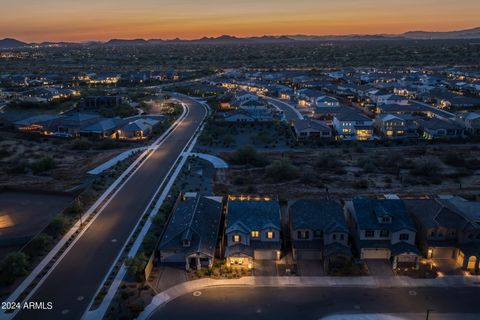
361	184
44	164
58	225
13	266
454	160
329	161
282	170
39	243
427	167
81	144
136	266
248	155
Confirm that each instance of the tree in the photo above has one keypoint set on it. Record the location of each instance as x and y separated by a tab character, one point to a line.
13	266
136	266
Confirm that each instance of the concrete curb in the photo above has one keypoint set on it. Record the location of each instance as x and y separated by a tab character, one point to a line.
301	282
77	231
100	312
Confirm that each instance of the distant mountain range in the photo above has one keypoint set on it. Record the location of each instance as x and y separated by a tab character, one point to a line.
412	35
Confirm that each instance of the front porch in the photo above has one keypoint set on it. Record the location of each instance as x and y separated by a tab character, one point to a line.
240	261
197	261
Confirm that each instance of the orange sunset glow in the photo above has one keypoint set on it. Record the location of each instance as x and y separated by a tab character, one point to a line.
56	20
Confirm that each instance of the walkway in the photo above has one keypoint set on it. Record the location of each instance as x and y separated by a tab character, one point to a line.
112	162
217	162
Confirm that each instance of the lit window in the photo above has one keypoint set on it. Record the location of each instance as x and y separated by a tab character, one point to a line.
236	238
255	234
269	235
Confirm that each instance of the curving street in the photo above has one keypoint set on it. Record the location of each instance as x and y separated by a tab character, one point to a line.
74	281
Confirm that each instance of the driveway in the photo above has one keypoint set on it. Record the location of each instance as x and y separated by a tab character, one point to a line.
379	268
310	268
448	267
170	275
265	268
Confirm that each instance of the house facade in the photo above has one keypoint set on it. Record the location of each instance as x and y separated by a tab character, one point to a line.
353	126
252	231
392	126
192	231
382	229
448	228
319	231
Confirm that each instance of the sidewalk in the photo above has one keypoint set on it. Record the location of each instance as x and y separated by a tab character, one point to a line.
110	163
367	282
217	162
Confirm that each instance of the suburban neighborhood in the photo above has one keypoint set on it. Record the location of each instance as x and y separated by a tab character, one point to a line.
240	160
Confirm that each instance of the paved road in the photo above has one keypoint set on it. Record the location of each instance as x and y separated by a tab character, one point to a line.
287	108
73	283
315	303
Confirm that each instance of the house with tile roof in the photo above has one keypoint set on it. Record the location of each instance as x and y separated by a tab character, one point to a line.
252	230
382	229
191	234
319	231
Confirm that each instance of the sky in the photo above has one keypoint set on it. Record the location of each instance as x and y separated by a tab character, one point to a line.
84	20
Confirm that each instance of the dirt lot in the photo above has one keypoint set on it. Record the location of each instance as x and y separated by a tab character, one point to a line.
33	162
345	172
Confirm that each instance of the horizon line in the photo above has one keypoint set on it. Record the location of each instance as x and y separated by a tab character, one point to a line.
239	36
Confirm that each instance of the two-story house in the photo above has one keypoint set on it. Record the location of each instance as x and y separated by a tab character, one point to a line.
319	231
392	126
382	229
448	228
192	231
252	230
353	126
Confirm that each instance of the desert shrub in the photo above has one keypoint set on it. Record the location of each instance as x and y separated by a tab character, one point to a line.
136	266
427	167
282	170
41	165
361	184
39	243
328	161
14	265
81	144
248	155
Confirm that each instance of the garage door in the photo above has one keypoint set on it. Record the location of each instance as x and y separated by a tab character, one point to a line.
406	258
264	255
443	253
309	255
375	253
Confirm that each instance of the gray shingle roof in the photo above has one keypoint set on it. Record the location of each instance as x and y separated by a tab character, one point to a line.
253	214
368	212
326	215
197	220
